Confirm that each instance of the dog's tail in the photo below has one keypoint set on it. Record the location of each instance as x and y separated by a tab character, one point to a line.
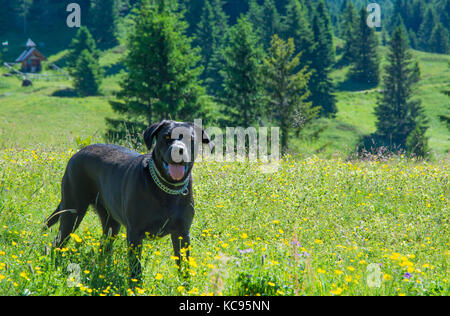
54	218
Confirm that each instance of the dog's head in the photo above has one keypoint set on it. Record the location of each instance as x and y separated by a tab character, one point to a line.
176	147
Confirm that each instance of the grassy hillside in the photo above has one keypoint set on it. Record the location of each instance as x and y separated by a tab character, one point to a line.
34	109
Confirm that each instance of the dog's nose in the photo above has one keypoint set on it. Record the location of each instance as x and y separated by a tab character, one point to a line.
179	154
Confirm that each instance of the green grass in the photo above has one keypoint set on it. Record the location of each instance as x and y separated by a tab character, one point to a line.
315	227
32	118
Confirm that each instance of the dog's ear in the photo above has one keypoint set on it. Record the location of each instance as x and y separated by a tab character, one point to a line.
151	132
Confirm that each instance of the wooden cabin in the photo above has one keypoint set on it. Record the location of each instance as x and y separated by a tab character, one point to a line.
31	58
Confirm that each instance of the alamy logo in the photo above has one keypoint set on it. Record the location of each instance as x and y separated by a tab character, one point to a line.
74	18
374	18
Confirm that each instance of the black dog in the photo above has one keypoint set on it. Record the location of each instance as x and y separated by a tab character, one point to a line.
148	194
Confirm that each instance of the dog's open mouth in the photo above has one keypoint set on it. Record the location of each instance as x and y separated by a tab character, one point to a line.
176	172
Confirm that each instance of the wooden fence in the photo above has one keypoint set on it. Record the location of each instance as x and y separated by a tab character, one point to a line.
32	76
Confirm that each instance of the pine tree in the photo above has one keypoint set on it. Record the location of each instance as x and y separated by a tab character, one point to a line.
439	40
418	13
265	19
192	8
427	27
82	41
296	26
320	84
327	29
287	88
445	14
87	74
242	74
103	17
349	30
210	38
401	123
365	68
162	78
271	22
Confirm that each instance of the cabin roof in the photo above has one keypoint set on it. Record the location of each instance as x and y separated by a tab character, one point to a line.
28	53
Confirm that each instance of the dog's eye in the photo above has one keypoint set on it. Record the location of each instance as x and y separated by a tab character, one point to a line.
168	137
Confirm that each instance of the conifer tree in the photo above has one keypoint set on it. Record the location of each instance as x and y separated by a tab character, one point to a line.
349	30
297	26
162	77
320	84
210	38
287	88
439	40
327	29
242	74
401	124
103	17
427	27
87	74
365	66
271	22
82	41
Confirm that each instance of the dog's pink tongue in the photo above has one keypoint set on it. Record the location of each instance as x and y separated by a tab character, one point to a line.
176	171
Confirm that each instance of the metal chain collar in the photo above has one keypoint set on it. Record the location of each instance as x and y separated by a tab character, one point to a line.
154	173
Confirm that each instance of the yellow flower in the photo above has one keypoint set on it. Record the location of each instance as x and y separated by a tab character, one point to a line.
140	291
350	268
338	272
192	262
193	291
337	291
387	277
158	276
24	275
318	241
76	238
348	278
321	271
244	236
271	284
181	289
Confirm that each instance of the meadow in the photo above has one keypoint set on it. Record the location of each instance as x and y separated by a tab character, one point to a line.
315	227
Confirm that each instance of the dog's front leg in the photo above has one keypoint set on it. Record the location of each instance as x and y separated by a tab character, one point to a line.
134	256
181	241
